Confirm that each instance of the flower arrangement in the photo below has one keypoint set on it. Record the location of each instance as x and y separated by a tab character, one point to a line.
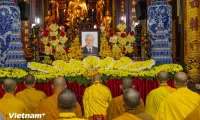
122	44
121	26
75	50
78	70
53	39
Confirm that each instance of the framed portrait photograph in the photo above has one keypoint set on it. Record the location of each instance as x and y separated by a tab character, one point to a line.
90	41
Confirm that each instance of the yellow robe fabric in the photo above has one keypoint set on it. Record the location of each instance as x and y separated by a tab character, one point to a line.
127	116
10	104
31	97
96	99
178	105
155	98
68	116
116	108
194	115
49	106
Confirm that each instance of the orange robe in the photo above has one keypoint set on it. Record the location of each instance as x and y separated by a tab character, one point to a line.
10	104
127	116
49	106
31	97
155	98
116	108
178	105
194	115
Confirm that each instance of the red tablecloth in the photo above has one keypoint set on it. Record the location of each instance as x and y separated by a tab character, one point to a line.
144	86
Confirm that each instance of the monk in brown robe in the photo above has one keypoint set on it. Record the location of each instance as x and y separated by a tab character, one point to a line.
49	105
131	101
116	107
30	96
67	104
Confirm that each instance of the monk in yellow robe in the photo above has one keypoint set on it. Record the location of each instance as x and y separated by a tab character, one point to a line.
9	103
96	98
156	96
195	114
67	105
30	96
131	101
180	103
116	107
49	106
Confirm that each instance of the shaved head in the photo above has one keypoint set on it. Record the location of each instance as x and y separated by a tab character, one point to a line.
29	79
127	83
97	77
67	100
59	83
9	85
131	98
163	77
181	79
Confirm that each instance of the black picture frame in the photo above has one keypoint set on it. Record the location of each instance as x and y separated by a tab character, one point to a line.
96	44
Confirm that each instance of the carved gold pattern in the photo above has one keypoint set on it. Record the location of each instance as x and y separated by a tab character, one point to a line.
192	39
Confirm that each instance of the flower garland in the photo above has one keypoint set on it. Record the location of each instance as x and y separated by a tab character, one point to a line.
81	71
91	62
41	67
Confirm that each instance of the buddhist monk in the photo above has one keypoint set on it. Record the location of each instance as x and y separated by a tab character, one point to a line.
131	101
179	104
116	107
96	98
30	96
9	103
67	105
195	114
49	105
156	96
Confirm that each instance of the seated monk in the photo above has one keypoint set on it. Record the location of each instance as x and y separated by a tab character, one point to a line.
67	105
30	96
96	98
179	104
9	103
116	107
49	105
195	114
131	101
156	96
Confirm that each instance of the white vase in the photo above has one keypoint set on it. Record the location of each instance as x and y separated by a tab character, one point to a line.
159	23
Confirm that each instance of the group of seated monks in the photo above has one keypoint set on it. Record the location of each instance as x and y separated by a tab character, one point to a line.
162	103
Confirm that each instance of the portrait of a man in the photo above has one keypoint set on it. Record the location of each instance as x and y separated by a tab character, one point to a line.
90	43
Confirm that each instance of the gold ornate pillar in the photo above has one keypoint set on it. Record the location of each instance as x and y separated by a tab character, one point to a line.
192	38
113	15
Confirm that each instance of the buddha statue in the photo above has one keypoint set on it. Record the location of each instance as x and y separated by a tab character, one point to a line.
48	18
100	5
107	21
53	8
76	9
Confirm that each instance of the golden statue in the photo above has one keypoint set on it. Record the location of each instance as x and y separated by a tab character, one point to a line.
54	6
107	21
99	11
48	18
76	9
